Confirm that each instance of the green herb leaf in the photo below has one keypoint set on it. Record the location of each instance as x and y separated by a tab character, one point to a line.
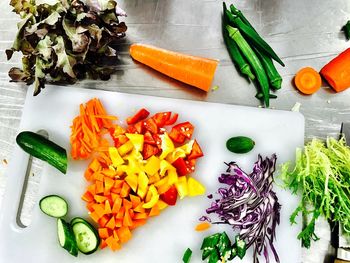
187	255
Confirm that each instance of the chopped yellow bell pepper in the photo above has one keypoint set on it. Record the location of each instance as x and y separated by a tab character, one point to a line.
132	181
165	167
172	174
194	187
161	204
115	156
163	188
162	181
118	130
154	198
142	185
137	140
180	152
181	186
125	148
167	145
154	178
152	166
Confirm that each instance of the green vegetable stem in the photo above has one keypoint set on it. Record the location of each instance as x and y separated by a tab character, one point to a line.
346	30
253	60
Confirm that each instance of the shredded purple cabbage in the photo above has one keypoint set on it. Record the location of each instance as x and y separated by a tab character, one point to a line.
250	206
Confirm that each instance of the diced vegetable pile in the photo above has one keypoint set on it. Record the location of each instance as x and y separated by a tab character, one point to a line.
249	204
62	41
145	170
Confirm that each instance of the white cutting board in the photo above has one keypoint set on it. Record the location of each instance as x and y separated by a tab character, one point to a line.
163	238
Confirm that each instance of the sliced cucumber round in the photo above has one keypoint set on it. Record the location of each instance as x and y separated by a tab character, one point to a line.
76	220
66	237
86	236
54	206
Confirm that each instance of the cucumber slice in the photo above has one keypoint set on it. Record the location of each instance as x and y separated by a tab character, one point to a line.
76	220
66	237
54	206
86	236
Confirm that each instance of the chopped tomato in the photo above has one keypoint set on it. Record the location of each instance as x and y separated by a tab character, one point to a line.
149	150
150	125
140	115
172	120
139	127
148	138
131	129
170	196
196	151
181	167
161	118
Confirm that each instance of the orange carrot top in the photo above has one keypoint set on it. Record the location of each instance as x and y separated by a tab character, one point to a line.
196	71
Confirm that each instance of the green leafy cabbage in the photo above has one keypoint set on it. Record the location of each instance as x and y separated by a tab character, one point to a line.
63	40
322	176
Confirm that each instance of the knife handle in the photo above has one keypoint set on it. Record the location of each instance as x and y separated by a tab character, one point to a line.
340	261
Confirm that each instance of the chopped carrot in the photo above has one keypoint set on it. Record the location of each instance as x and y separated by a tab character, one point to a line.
99	210
103	233
108	183
117	205
127	204
337	71
154	211
111	223
125	190
94	216
202	226
99	187
135	200
139	208
108	209
196	71
88	174
140	216
115	235
103	220
87	197
138	222
120	213
97	176
100	198
118	222
92	189
124	234
113	243
127	221
89	206
103	244
307	80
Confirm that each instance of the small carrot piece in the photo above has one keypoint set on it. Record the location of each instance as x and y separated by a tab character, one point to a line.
113	243
202	226
111	223
124	234
196	71
103	233
337	71
103	221
307	80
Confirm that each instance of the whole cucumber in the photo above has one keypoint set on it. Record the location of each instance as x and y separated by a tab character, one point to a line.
44	149
240	144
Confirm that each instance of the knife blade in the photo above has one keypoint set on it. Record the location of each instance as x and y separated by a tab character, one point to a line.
343	250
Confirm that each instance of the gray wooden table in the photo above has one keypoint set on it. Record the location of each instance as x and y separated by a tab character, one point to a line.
303	33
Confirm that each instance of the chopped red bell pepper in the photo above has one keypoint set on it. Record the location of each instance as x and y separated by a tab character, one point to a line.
170	196
148	138
140	115
120	140
177	136
181	167
161	118
149	150
172	120
150	125
191	165
158	141
196	151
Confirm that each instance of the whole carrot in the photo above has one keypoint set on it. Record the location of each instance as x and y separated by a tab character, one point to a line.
337	71
195	71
